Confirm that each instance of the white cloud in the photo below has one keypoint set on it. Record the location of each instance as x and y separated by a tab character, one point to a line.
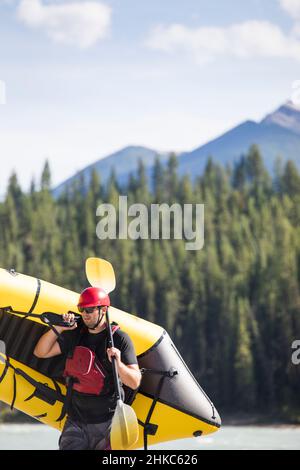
292	7
77	23
250	39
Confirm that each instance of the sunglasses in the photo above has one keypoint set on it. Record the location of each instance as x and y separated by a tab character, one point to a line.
87	309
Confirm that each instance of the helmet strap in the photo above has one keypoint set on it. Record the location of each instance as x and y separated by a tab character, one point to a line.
99	319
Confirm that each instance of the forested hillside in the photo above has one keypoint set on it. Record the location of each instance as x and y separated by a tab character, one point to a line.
232	308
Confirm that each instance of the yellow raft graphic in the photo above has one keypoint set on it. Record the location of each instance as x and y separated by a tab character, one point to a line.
169	405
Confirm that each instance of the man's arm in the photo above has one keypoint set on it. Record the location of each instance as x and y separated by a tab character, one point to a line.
48	346
130	375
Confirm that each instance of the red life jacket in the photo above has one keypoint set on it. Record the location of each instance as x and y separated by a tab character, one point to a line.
86	371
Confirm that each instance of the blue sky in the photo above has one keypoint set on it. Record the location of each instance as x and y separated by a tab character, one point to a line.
86	78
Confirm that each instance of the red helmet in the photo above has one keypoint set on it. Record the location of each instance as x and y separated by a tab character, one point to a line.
93	297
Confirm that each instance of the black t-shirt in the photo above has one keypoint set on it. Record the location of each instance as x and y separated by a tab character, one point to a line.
92	408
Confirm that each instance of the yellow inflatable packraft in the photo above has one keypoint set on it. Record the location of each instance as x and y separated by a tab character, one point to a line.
169	405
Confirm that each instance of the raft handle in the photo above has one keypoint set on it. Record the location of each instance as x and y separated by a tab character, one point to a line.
12	271
165	373
150	428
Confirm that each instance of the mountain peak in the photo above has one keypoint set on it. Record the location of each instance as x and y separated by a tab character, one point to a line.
277	134
293	106
287	116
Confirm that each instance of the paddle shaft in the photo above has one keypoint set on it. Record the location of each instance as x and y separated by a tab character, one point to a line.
114	365
2	351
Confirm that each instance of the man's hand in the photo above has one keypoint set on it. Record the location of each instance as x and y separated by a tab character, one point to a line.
69	318
48	345
130	375
114	352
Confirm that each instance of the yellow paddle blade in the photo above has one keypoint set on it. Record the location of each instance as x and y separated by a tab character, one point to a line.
124	429
100	273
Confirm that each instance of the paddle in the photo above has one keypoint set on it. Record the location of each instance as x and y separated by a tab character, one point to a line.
124	429
2	351
100	273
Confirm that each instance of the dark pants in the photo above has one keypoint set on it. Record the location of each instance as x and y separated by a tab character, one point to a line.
79	436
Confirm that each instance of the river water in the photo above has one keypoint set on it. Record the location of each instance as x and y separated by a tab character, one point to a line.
41	437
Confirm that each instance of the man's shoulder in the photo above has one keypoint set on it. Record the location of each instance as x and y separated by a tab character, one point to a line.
122	335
